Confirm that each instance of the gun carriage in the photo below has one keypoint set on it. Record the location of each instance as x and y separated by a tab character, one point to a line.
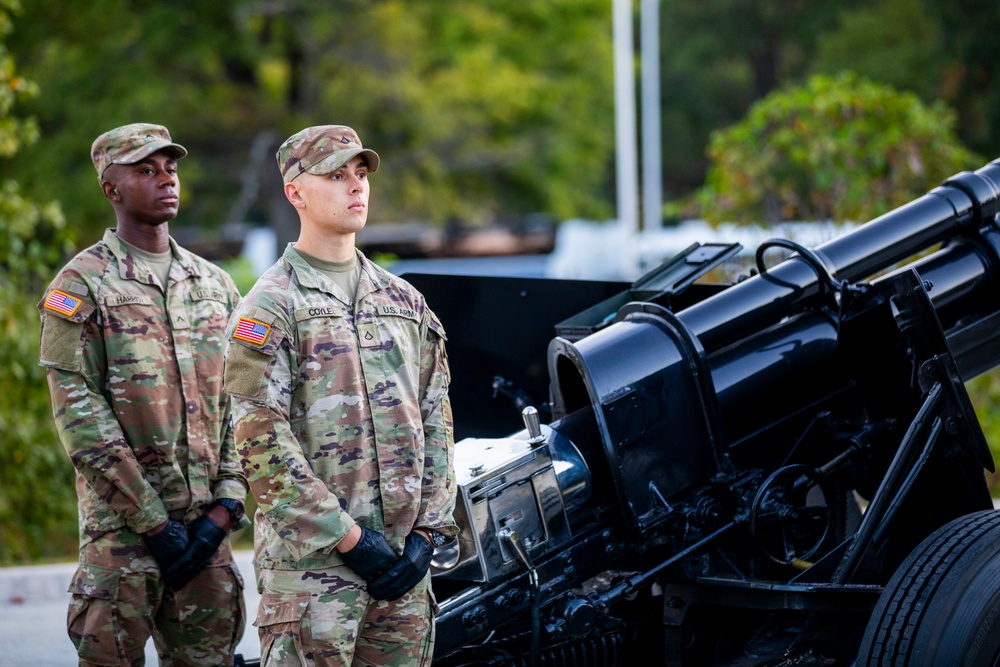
785	470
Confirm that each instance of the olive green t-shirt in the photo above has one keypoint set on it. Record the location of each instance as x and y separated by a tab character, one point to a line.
345	275
158	262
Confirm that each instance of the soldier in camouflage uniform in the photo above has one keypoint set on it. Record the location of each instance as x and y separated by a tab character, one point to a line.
339	380
132	339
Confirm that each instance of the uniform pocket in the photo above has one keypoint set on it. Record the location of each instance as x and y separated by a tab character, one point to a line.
92	620
279	625
250	355
62	330
208	308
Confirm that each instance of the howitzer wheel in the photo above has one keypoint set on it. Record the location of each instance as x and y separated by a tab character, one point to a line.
942	606
790	516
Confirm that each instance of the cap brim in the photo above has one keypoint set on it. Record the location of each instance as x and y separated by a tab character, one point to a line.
337	160
146	150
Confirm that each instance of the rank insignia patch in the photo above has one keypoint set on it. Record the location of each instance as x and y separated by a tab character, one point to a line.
251	331
63	303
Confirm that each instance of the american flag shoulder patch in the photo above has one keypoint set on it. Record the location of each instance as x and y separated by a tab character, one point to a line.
63	303
251	331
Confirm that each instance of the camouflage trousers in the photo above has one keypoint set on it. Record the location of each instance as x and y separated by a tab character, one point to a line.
119	602
325	618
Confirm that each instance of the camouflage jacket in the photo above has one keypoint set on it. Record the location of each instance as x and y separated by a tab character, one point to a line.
136	384
341	411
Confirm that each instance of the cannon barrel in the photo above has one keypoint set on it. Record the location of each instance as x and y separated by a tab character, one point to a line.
794	362
764	353
964	202
698	482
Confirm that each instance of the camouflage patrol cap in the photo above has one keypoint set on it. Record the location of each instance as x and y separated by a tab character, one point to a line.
320	150
130	143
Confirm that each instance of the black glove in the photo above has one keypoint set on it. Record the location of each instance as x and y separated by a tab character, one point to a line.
168	545
206	537
371	556
407	572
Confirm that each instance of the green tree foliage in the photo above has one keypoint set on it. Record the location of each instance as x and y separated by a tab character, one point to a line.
504	108
894	42
839	148
970	79
485	110
36	497
186	64
718	57
985	394
939	50
481	111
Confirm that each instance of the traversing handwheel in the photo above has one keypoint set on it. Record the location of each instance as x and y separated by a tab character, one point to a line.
790	516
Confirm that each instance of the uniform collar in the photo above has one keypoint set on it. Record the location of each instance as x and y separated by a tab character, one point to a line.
371	280
126	262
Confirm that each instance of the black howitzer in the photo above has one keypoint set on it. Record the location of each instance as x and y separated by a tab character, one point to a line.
695	494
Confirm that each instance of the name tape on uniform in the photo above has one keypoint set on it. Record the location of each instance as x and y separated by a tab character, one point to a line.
209	294
63	303
399	311
127	300
251	331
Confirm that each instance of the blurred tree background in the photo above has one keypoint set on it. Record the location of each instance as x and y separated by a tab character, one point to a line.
37	496
837	148
482	112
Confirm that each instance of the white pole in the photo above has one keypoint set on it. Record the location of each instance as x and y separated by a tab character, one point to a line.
652	162
625	133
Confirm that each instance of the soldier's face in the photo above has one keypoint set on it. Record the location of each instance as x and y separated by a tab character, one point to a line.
337	202
149	189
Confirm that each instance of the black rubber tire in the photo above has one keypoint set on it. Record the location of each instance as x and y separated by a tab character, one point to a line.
942	606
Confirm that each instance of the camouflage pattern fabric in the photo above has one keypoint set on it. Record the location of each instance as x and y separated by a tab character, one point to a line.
118	602
319	627
341	412
136	383
130	143
320	150
135	376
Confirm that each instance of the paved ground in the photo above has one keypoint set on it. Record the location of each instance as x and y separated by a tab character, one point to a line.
33	616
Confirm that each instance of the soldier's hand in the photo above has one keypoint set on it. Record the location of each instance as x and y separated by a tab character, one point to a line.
206	537
169	544
407	572
371	556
